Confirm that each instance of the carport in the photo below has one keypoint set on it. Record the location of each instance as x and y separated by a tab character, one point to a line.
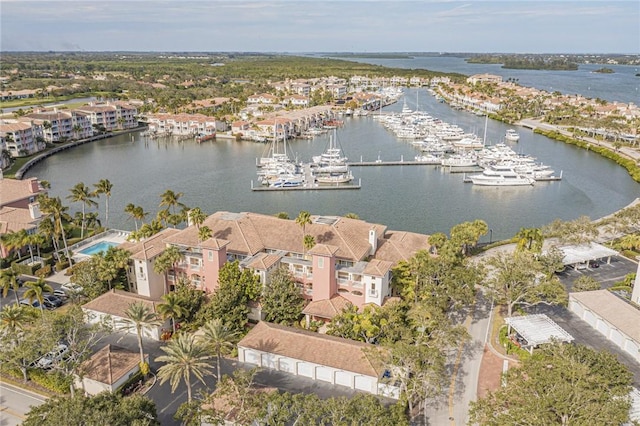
537	330
575	255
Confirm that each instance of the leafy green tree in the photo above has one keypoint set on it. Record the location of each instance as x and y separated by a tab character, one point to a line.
81	193
87	275
218	340
36	290
578	231
104	186
140	317
519	279
283	215
185	356
237	287
467	234
189	298
560	384
351	216
105	408
586	283
21	342
281	300
530	239
113	264
171	308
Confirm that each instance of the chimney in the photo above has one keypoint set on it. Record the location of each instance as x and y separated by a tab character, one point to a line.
34	210
373	240
35	185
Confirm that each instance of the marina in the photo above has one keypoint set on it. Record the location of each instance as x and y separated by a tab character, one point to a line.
215	175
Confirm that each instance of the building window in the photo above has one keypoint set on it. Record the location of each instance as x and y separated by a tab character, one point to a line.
210	254
321	262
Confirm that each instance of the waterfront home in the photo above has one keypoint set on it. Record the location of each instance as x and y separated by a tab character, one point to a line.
351	261
20	138
183	124
264	98
484	78
114	115
18	207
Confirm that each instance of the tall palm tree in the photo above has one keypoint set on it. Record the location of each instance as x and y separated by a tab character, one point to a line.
166	261
197	217
104	186
309	242
9	280
140	317
218	339
172	309
171	199
14	318
185	356
204	233
303	219
80	193
36	290
47	229
54	207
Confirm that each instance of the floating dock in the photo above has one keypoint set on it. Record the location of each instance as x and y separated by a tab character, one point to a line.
309	187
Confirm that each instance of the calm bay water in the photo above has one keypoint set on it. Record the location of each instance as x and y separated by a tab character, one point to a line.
621	86
217	175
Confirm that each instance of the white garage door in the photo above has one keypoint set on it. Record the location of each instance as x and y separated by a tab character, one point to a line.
617	337
365	384
270	361
345	379
287	365
325	374
602	327
590	318
633	348
251	357
305	369
576	307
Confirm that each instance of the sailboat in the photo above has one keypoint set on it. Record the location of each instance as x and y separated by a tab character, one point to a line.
276	166
331	166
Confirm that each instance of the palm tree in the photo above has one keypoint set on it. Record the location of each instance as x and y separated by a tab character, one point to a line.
166	261
309	242
185	356
14	318
197	217
36	290
80	193
171	308
529	239
171	199
218	339
204	233
303	219
140	317
104	187
54	207
9	279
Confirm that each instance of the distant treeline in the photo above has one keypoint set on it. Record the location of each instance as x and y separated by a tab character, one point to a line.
526	62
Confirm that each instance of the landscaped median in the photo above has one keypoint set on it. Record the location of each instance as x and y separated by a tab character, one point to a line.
632	166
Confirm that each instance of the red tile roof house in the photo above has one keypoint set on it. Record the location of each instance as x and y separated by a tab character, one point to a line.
19	208
350	264
316	356
108	369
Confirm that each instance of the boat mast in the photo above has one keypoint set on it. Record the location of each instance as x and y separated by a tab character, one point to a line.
484	137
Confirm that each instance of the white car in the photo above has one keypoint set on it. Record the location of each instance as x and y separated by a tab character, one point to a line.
55	355
71	288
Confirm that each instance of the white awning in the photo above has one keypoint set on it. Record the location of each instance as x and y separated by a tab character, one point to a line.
585	252
538	329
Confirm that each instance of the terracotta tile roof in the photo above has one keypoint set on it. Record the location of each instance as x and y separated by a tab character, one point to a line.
110	364
304	345
149	247
622	315
400	245
13	219
116	302
378	268
214	244
327	308
323	250
263	261
12	190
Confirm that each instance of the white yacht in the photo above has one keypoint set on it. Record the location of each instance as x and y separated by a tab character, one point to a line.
500	176
458	160
511	135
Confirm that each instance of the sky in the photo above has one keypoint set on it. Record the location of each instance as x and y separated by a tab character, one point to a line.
514	26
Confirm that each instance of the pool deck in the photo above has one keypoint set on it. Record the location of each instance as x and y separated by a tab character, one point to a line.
111	236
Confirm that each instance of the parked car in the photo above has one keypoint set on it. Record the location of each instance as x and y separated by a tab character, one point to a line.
61	294
57	354
71	288
27	302
594	264
51	301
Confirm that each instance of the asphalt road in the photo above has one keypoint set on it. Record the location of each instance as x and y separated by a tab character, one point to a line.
15	403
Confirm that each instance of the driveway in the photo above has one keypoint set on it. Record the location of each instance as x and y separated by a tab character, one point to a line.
608	274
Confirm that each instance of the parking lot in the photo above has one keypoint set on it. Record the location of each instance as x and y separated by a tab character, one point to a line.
11	298
606	274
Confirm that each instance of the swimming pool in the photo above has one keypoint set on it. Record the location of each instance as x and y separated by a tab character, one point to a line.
96	248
